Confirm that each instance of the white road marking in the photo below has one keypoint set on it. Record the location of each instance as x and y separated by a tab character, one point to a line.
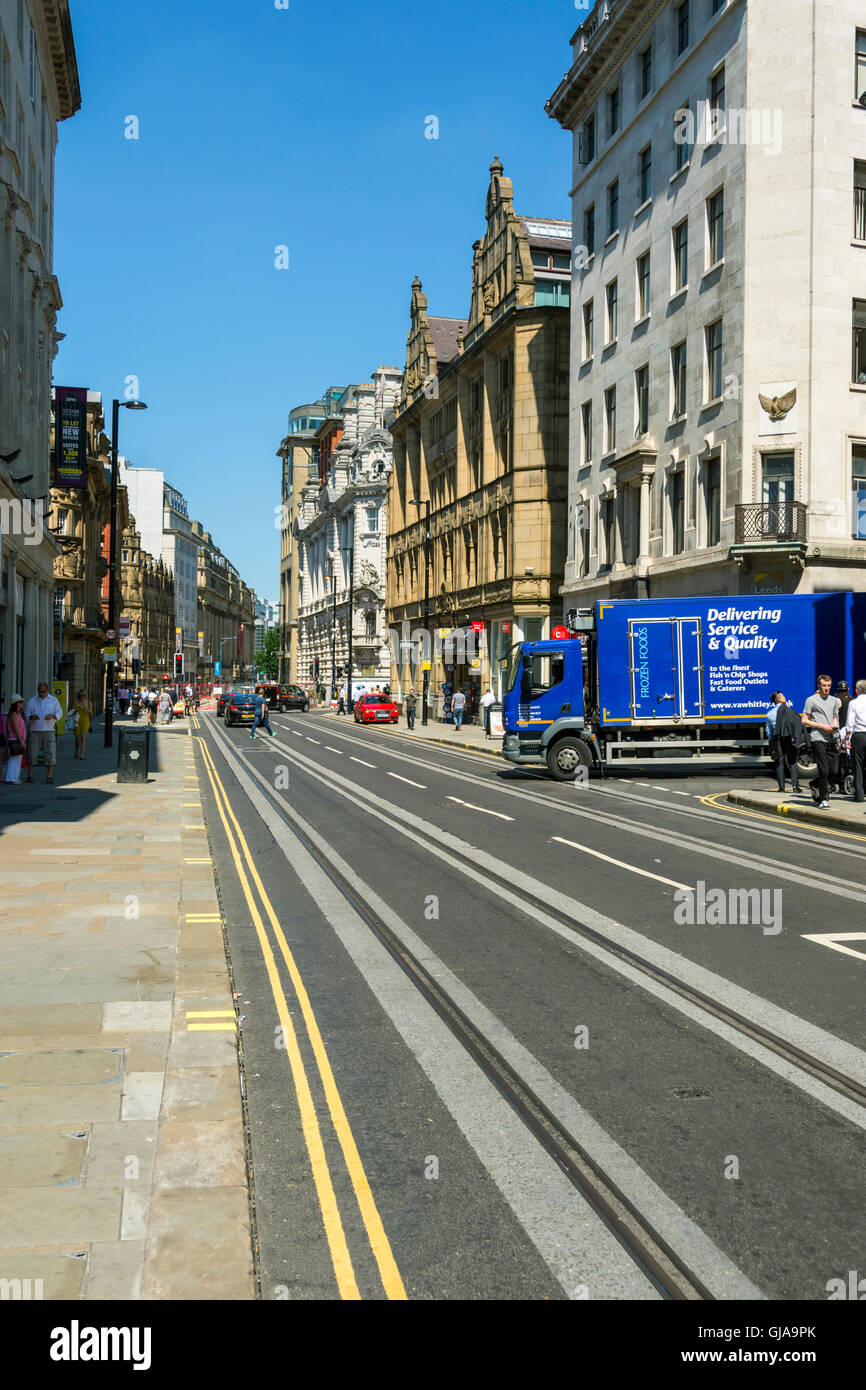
407	779
482	809
361	761
833	938
338	751
645	873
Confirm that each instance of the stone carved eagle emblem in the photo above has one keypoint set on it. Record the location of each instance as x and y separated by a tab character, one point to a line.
777	407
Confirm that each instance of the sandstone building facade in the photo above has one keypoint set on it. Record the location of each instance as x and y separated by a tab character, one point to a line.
718	378
480	440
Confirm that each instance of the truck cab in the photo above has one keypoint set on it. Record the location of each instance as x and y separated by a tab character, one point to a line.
543	709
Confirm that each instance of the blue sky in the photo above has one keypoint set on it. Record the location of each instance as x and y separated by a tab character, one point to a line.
261	127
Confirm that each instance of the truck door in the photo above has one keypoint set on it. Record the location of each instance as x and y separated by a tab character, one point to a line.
545	694
666	669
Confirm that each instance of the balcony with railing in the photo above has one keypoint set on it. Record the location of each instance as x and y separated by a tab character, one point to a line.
781	523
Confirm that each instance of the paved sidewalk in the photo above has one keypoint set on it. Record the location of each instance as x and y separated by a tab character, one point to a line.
122	1157
842	814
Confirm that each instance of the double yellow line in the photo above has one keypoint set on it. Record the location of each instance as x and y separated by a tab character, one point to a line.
331	1218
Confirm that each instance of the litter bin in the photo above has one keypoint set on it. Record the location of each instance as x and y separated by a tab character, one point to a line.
133	755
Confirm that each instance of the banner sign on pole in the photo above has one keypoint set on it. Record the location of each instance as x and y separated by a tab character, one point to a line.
70	436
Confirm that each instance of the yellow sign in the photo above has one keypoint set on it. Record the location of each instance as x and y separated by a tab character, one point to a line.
60	691
425	665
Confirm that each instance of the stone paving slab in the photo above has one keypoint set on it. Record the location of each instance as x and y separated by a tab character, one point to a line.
122	1155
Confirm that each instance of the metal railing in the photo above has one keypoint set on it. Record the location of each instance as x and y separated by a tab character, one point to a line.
780	522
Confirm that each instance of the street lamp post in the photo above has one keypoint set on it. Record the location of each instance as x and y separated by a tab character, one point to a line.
112	564
416	502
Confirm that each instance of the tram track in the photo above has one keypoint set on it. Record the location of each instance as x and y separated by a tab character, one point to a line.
671	1276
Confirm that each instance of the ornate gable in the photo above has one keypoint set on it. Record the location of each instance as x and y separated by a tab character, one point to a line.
501	264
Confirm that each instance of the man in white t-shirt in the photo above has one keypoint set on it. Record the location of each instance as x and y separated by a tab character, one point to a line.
41	714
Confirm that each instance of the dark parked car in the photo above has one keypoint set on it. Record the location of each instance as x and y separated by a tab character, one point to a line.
283	697
240	709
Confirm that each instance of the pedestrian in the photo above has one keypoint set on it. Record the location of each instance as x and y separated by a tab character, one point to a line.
83	711
409	703
458	706
843	695
41	714
821	718
261	719
487	699
341	700
788	734
855	738
14	731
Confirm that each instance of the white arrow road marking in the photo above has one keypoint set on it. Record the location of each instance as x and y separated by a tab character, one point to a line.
361	761
645	873
407	779
832	939
483	809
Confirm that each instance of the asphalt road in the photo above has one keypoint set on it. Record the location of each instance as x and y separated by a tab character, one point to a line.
389	1160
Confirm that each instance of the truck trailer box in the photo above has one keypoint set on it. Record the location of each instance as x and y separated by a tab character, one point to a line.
718	660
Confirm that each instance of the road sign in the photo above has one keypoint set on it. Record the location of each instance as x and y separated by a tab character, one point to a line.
110	634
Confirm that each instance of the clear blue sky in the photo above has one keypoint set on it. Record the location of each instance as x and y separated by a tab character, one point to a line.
261	127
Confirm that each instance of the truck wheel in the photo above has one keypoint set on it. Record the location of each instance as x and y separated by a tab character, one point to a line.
565	757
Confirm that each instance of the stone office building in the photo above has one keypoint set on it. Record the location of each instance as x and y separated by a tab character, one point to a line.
718	373
480	442
39	87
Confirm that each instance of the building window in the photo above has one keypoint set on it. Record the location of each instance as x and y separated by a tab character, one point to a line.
716	227
611	303
858	484
859	200
641	388
681	255
586	420
643	285
858	369
678	510
610	419
613	111
586	152
713	333
678	380
645	174
608	521
682	18
860	65
713	498
681	136
716	113
645	71
613	207
588	333
589	229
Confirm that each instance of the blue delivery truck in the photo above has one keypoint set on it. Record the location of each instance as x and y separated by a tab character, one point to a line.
671	679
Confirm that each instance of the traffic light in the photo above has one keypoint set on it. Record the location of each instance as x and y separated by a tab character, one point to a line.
178	664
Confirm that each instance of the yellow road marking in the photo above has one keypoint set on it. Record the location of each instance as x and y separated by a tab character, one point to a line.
336	1236
379	1243
763	815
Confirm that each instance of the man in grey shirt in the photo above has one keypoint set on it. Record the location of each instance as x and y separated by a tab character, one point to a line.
821	718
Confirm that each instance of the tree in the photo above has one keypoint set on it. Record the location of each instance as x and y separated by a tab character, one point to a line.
268	659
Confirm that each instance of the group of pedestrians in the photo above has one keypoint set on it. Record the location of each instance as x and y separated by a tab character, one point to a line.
836	730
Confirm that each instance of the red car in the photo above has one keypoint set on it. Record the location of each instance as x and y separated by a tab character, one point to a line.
376	709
